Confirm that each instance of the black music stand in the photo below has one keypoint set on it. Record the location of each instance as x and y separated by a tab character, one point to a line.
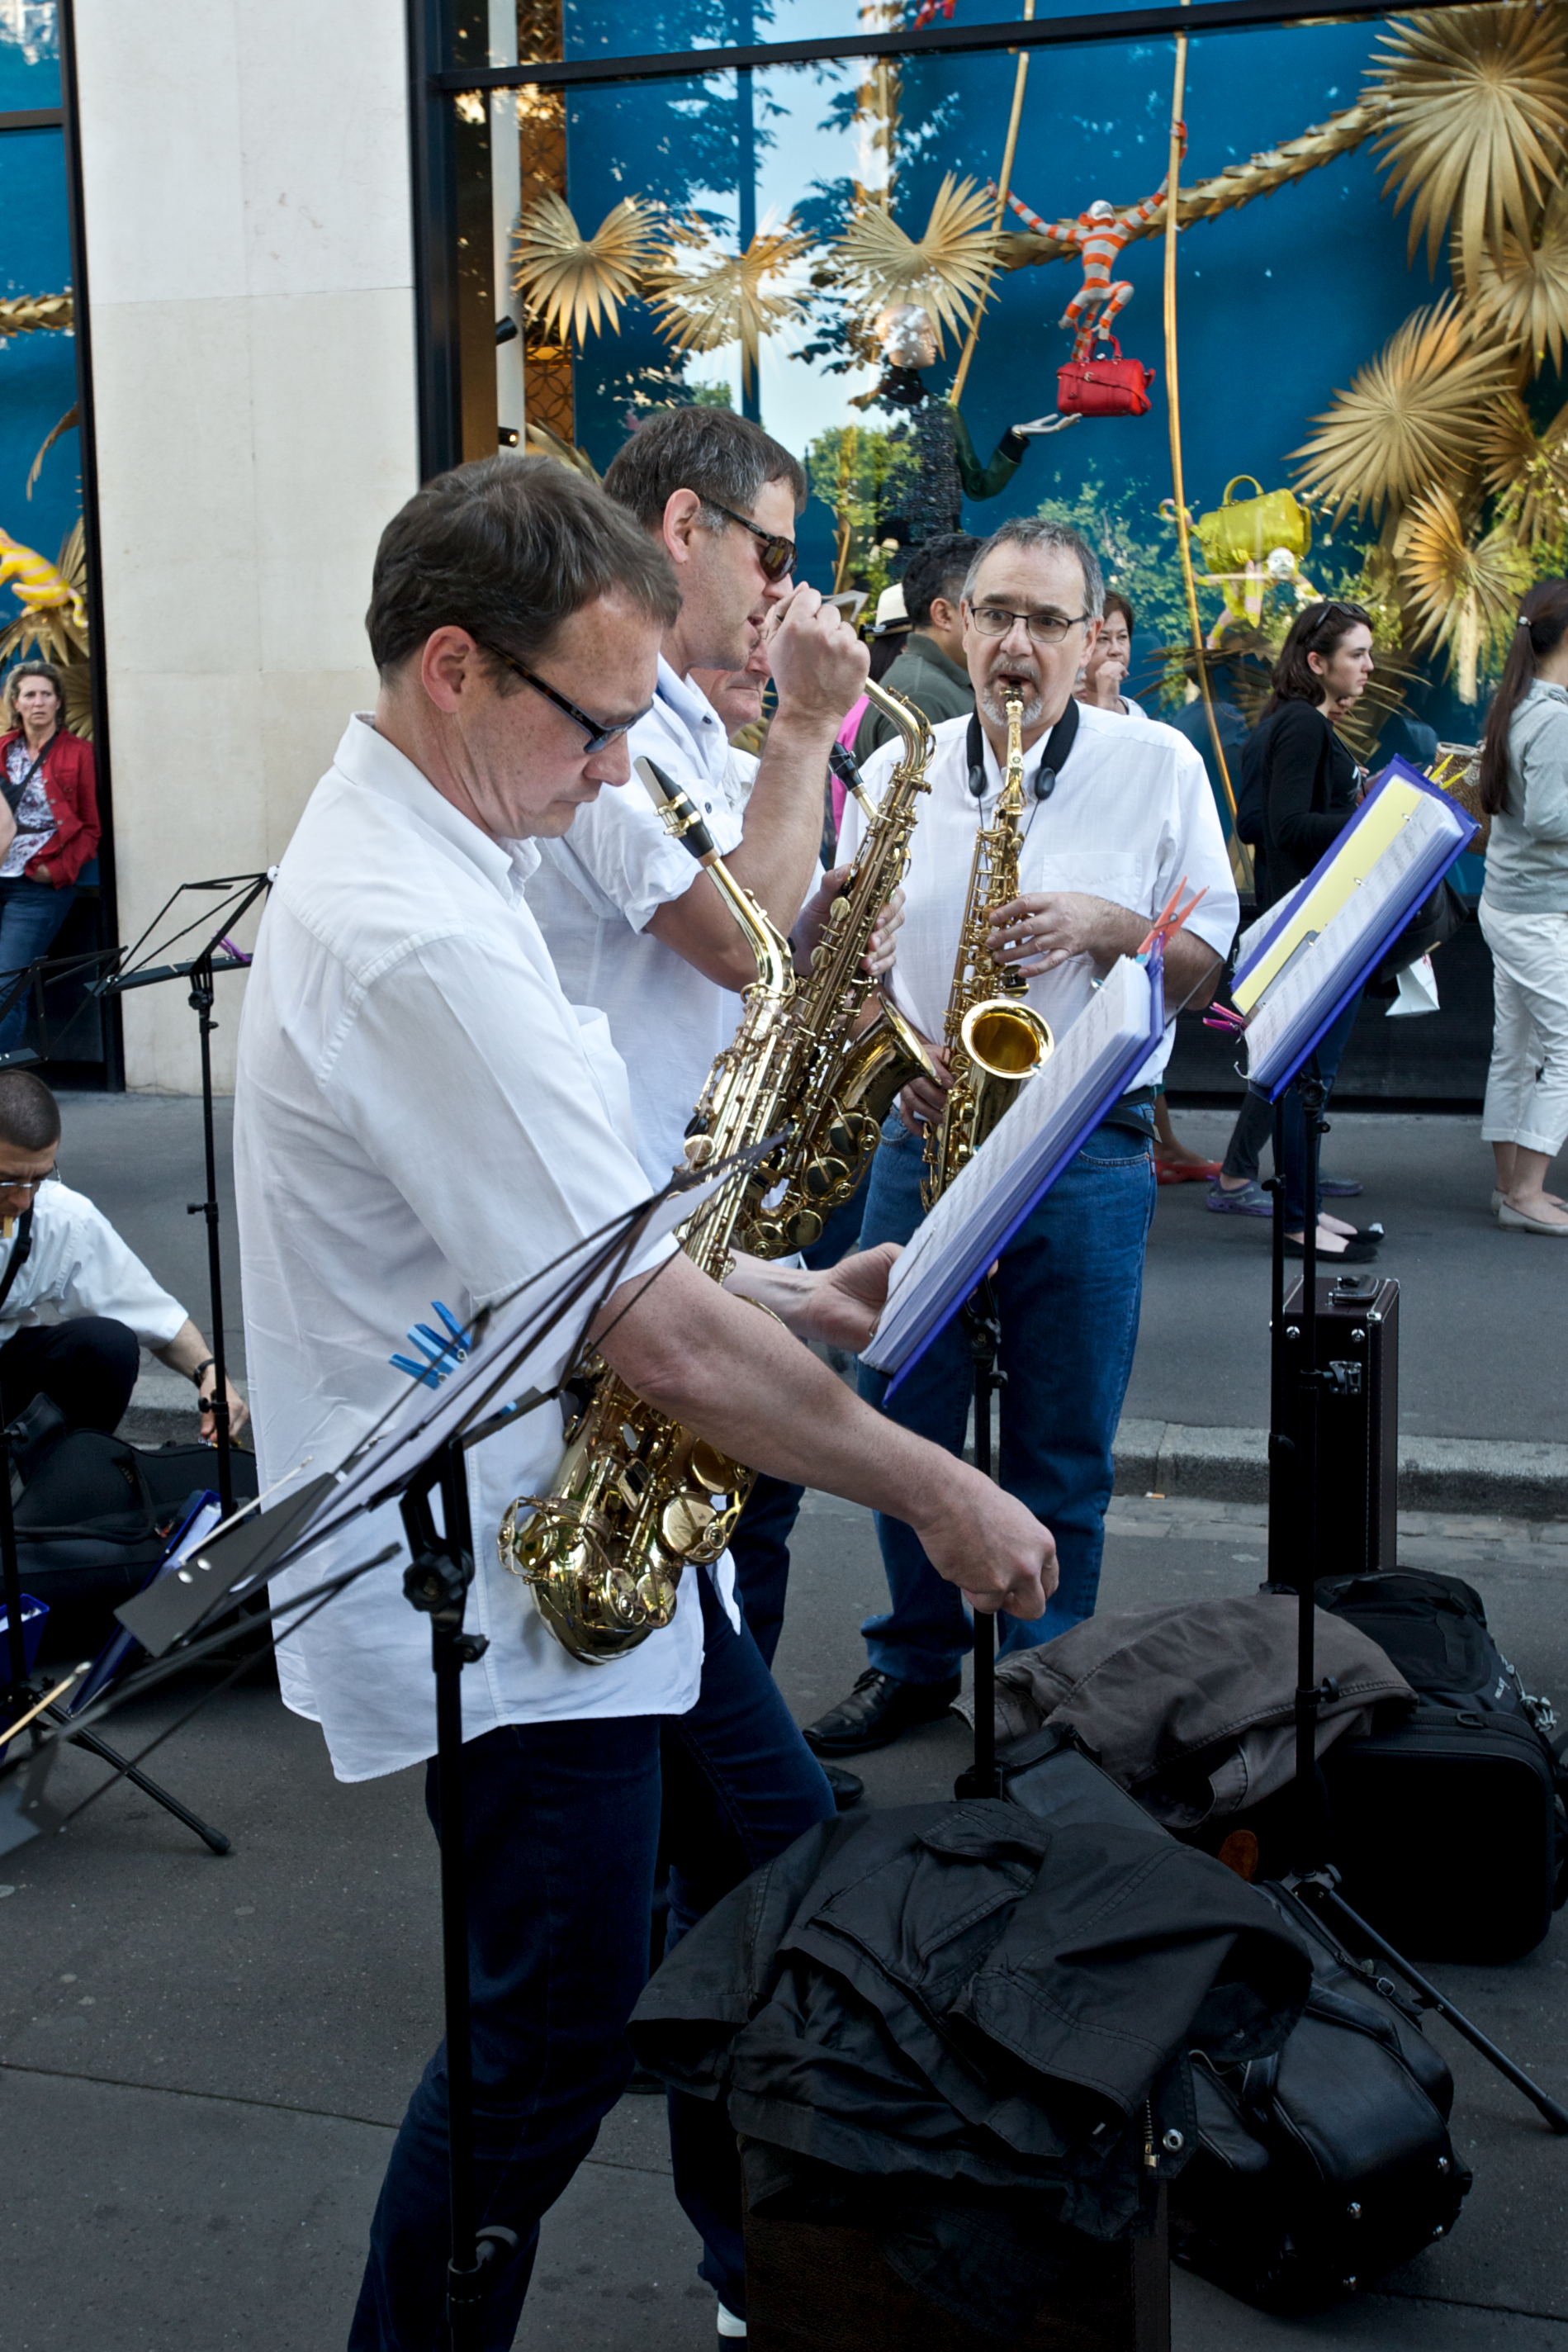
1313	1877
982	1323
414	1452
217	954
35	979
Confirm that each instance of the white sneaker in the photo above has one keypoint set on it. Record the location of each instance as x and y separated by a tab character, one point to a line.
730	2329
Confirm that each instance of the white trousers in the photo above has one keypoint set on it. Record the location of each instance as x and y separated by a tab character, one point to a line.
1527	1084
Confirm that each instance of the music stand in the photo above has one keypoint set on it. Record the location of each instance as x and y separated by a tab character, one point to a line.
1326	969
217	954
30	979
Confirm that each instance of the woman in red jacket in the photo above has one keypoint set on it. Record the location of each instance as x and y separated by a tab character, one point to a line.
49	826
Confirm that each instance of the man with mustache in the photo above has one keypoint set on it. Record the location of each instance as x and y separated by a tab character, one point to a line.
1116	811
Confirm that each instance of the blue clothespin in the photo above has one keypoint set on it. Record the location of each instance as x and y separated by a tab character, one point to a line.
441	1355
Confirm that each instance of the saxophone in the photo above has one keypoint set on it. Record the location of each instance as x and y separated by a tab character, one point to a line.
842	1079
994	1041
636	1497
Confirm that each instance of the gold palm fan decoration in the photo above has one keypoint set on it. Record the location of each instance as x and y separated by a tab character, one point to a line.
571	282
715	297
1463	594
1522	289
1413	415
945	272
1478	99
1527	472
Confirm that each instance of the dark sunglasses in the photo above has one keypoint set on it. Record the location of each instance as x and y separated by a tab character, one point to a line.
776	554
1335	611
597	736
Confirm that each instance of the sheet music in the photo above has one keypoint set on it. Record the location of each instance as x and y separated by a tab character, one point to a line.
1253	937
1091	1066
1379	905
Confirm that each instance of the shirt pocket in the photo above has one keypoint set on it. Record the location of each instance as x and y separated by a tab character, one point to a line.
1126	880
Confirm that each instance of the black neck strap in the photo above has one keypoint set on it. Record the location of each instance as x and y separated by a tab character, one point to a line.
1052	760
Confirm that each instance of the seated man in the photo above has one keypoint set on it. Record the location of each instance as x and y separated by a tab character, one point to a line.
75	1306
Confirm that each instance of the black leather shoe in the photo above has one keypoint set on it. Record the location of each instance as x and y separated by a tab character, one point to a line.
879	1710
847	1787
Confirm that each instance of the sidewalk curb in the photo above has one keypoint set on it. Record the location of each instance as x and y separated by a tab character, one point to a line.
1490	1475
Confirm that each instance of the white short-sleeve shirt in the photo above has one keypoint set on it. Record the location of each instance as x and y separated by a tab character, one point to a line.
77	1264
595	891
1131	814
420	1114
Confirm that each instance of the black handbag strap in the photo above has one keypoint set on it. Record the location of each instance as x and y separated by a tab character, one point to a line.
15	794
21	1251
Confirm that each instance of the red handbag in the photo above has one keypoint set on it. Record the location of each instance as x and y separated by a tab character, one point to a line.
1103	387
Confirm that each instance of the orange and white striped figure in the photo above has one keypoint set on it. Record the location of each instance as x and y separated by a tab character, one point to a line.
35	583
1097	236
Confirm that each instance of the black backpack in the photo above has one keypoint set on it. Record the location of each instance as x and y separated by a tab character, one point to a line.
93	1515
1449	1828
1319	2170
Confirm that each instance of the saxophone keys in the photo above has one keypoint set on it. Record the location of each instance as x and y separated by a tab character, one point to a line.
711	1469
656	1598
683	1524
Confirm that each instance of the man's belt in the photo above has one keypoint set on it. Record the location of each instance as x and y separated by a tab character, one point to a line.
1135	1111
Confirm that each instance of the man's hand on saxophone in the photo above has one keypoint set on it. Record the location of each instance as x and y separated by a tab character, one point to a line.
881	951
1042	928
708	1359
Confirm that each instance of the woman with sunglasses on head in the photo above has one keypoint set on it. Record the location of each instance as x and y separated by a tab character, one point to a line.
1307	784
1524	914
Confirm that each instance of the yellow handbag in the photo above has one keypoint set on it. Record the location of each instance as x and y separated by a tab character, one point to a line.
1241	531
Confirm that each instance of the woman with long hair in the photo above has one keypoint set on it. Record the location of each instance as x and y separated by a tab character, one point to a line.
1524	913
1307	784
49	826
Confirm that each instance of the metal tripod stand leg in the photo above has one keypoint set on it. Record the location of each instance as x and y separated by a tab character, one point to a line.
983	1327
436	1583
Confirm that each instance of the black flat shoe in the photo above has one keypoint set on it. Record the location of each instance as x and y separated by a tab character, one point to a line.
879	1710
848	1788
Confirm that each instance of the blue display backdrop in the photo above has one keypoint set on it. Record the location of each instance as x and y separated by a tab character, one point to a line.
38	371
1281	298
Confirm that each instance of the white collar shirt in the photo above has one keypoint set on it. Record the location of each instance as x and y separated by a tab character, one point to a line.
77	1264
1131	814
420	1114
598	887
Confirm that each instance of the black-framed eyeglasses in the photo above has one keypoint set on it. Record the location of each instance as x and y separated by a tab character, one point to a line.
1045	628
775	552
9	1184
597	736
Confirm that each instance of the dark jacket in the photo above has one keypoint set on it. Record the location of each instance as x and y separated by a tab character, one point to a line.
1308	782
924	675
70	786
966	2000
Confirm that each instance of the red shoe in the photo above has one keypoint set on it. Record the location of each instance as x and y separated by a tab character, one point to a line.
1186	1171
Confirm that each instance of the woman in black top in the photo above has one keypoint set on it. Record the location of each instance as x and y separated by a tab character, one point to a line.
1303	786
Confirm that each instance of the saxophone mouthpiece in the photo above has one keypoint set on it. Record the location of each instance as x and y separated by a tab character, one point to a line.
676	809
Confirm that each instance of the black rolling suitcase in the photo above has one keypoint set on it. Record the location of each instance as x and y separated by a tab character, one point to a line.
1448	1829
1356	1335
1319	2170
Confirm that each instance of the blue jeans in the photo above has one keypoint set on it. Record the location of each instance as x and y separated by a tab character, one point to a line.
30	915
1068	1289
760	1544
562	1824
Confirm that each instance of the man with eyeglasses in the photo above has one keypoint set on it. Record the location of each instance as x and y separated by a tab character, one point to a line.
77	1305
422	1113
632	926
1117	812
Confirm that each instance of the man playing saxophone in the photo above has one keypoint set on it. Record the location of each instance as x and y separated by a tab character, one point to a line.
632	928
422	1113
1115	812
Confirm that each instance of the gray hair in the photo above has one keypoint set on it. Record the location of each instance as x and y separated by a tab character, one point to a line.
723	460
1034	530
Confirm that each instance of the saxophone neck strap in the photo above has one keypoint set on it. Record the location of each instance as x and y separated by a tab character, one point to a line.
1053	760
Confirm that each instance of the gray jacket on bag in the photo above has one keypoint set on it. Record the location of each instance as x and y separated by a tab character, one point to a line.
1527	856
1192	1709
